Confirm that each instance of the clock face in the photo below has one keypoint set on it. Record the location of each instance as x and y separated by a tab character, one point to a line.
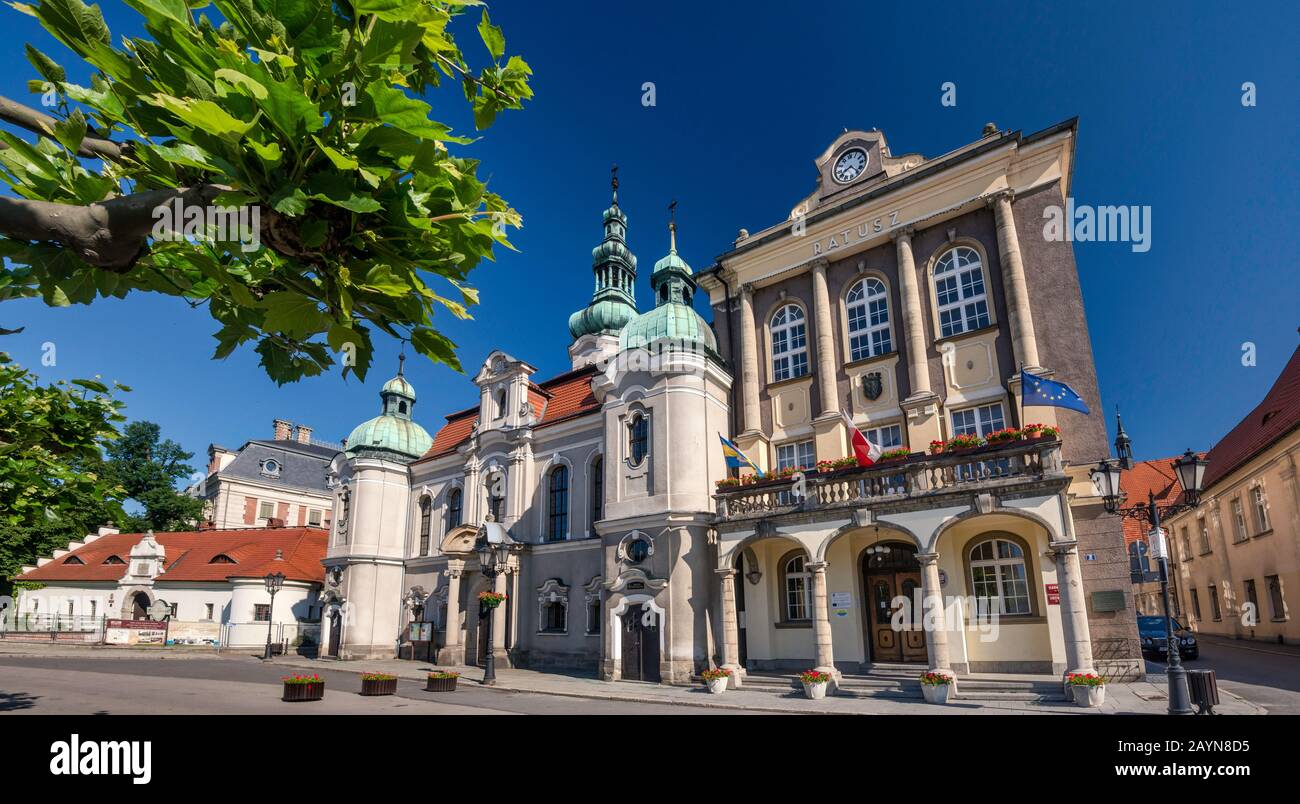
850	165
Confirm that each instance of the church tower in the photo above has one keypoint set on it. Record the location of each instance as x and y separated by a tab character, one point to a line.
595	328
372	509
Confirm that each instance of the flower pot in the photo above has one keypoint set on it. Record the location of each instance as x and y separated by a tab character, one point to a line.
1090	697
440	684
936	693
717	686
815	691
294	693
378	687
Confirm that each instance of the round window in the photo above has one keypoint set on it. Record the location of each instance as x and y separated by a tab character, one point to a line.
638	550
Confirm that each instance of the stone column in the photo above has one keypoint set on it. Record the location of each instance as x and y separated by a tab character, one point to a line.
918	367
1074	612
825	661
730	627
471	505
826	381
1025	345
932	613
748	361
449	653
499	621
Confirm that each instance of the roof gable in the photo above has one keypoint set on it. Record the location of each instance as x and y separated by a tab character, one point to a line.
1274	417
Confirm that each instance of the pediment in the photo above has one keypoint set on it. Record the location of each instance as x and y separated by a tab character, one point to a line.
459	541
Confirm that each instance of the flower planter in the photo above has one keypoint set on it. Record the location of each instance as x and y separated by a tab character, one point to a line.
1090	697
936	693
717	686
433	684
295	693
815	691
386	686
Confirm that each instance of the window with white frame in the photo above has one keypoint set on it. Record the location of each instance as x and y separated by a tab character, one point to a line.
1238	520
998	578
553	607
426	523
886	436
959	292
978	421
798	588
789	343
558	504
867	304
597	472
801	454
638	438
1260	504
265	510
453	509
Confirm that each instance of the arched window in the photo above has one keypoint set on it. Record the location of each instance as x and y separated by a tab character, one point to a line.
453	509
501	403
959	291
998	577
558	504
789	343
798	588
496	494
638	438
426	523
868	309
597	492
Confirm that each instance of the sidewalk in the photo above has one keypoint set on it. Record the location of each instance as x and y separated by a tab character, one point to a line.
1143	697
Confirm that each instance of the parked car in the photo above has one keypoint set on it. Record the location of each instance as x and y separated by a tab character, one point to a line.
1151	633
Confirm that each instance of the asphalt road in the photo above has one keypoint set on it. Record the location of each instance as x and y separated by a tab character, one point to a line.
1263	674
77	685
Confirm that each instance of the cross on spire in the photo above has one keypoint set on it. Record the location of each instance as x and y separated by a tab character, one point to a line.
401	359
613	182
672	226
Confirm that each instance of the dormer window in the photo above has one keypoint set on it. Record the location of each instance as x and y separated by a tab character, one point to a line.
501	403
222	558
401	407
73	560
270	467
114	560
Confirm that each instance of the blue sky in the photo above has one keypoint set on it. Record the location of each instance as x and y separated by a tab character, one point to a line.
744	104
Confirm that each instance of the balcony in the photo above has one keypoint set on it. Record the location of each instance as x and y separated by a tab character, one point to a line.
927	480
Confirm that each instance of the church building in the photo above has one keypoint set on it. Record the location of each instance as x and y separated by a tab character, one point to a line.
906	293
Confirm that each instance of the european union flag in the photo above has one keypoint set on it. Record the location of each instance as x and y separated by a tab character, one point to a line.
1049	393
737	459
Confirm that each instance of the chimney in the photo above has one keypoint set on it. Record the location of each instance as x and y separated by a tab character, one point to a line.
279	555
107	530
304	434
274	522
283	430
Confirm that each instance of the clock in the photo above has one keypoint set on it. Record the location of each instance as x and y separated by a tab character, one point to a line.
851	164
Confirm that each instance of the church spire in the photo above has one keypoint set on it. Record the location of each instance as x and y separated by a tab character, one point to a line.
672	279
613	302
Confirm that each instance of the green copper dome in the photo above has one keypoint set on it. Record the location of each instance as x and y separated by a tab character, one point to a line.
613	303
673	319
393	434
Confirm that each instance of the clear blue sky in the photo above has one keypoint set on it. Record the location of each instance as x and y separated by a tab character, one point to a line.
745	101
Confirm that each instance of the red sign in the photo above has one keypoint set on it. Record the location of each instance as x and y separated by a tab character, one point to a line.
1053	594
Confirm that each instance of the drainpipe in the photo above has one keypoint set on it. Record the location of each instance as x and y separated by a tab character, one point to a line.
731	325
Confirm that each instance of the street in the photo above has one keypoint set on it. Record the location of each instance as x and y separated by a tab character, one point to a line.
140	685
1264	674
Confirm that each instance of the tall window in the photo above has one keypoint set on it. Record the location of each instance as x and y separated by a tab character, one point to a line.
1260	504
426	521
978	421
1274	585
1238	521
638	438
789	343
885	437
454	506
496	495
1205	534
868	309
959	291
793	456
1196	604
798	591
998	577
261	612
500	403
1215	613
597	492
1187	543
558	494
1251	596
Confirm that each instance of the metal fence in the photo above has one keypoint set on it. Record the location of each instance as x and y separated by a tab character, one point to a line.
55	627
293	638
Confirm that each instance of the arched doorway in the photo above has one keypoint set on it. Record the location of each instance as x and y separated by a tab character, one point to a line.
739	585
639	646
140	606
890	576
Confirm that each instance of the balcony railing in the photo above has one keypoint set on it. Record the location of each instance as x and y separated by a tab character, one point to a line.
919	476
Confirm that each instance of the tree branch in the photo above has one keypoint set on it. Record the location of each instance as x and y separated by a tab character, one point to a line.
108	234
41	123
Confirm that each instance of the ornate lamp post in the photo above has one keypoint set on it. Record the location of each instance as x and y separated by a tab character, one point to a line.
273	582
493	550
1191	476
415	599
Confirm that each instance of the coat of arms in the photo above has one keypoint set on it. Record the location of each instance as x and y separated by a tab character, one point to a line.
872	386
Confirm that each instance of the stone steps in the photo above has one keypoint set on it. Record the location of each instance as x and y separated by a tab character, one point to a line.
900	682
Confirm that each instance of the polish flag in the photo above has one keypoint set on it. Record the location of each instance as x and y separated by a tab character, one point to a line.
866	452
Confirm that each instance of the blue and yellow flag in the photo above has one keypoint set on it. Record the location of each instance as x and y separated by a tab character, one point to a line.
1049	393
737	459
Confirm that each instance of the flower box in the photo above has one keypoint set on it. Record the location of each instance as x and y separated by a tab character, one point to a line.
490	600
716	680
302	688
937	688
378	684
814	683
1088	689
441	682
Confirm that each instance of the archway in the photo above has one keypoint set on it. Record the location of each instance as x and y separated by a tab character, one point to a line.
891	579
140	606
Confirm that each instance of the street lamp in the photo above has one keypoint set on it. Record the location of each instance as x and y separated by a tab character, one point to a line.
273	582
415	598
1190	470
493	548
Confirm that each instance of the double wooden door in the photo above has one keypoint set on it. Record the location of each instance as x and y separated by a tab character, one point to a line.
640	644
894	613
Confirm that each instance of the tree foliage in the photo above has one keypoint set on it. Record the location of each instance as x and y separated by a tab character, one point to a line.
53	485
147	468
310	112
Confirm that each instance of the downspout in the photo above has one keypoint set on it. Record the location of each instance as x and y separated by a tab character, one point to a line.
731	392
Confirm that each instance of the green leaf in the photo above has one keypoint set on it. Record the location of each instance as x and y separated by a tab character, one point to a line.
340	161
289	201
395	108
71	130
175	10
46	66
435	346
203	115
242	81
336	189
492	37
292	314
92	385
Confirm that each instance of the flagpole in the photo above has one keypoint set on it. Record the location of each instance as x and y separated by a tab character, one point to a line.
1021	422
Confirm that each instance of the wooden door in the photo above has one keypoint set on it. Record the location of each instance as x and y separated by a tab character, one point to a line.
336	628
913	637
631	639
885	643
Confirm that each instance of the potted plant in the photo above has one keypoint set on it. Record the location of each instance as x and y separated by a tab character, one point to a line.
964	441
1004	436
936	447
936	687
303	688
1049	431
490	600
441	681
1031	431
814	683
1089	689
896	454
378	684
716	680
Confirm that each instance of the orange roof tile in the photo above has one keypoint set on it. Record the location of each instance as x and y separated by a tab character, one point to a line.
1274	417
189	556
1156	477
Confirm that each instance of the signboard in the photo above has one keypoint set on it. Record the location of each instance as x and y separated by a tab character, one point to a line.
135	632
841	600
1108	600
1156	537
1053	594
421	632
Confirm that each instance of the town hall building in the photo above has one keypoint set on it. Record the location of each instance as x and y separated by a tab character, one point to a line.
904	292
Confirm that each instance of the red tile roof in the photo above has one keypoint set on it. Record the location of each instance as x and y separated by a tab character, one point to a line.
189	556
1271	419
1157	477
560	398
